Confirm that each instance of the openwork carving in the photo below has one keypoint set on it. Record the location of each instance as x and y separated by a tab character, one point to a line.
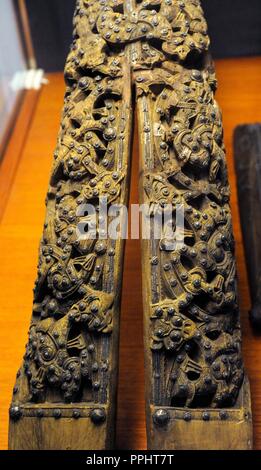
199	279
195	335
69	354
193	341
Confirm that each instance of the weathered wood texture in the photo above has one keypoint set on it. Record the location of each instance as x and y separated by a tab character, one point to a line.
232	434
240	98
247	146
70	366
194	371
64	433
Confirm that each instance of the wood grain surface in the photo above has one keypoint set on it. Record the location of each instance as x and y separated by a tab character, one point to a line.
21	227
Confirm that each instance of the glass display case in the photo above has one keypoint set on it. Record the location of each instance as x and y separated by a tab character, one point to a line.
12	61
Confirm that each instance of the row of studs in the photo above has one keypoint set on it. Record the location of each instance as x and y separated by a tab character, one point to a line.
162	417
97	415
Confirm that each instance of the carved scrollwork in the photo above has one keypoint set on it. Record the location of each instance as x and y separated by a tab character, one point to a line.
194	322
68	356
194	333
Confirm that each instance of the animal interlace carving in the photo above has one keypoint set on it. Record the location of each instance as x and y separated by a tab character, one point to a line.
194	322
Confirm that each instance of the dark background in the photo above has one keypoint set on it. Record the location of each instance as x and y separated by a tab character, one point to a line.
234	27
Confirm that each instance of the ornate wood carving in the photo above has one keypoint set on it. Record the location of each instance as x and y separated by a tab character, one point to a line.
247	145
195	377
65	390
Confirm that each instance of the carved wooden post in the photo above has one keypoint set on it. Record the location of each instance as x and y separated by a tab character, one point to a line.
65	393
197	395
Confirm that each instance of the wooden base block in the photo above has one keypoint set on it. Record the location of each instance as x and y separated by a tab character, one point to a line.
75	430
203	429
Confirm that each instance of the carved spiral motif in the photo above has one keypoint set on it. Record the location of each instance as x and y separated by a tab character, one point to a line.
195	334
67	356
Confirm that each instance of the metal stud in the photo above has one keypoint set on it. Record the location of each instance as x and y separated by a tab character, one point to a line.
161	417
98	416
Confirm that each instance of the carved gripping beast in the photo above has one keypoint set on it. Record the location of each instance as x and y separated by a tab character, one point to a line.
192	334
